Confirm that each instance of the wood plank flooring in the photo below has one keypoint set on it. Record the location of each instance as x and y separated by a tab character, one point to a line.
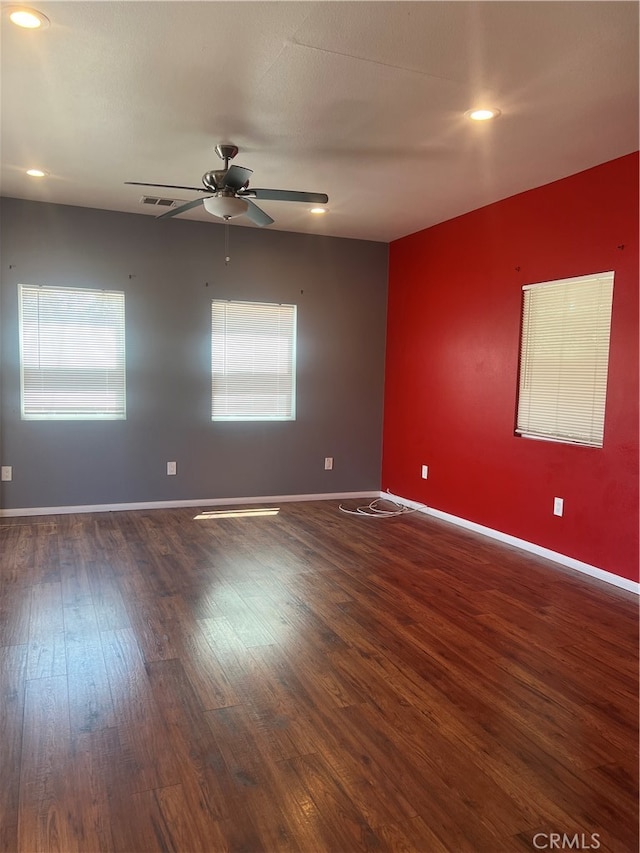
309	681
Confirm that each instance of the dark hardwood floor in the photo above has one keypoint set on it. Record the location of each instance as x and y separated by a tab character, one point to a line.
308	681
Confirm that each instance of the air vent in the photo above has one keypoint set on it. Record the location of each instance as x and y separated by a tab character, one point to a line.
160	202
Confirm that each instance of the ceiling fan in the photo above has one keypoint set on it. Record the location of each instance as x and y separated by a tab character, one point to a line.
228	193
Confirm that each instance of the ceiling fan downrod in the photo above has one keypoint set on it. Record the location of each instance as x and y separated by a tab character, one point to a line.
226	153
215	179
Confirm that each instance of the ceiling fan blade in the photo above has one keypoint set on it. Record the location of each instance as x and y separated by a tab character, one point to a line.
236	177
288	195
176	210
168	187
257	215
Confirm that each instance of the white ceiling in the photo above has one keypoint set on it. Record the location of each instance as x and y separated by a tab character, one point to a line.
362	100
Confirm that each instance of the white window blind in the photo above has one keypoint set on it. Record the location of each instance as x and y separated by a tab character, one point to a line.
564	358
253	361
72	354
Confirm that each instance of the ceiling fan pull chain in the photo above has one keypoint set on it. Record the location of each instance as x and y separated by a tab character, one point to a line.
227	257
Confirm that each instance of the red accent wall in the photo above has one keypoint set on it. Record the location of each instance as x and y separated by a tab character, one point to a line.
453	334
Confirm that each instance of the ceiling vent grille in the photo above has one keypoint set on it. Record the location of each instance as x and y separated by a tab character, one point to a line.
160	202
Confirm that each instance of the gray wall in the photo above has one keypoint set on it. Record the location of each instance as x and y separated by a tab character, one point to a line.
170	271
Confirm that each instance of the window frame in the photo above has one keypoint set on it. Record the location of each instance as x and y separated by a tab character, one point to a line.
235	416
579	344
42	331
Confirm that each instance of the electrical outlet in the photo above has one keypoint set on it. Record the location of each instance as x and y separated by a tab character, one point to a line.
425	472
171	469
558	506
7	474
328	463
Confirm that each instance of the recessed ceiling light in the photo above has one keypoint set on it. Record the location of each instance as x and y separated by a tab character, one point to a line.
29	19
318	210
482	114
36	173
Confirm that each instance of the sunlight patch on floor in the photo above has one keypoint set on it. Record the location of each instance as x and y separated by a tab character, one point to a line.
237	513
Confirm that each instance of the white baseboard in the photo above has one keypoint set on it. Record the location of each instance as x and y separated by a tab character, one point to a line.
84	508
531	547
569	562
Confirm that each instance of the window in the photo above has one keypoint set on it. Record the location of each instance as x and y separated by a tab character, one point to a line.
564	357
253	361
71	353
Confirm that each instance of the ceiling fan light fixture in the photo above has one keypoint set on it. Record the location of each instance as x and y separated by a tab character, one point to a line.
36	173
29	19
318	210
225	206
482	114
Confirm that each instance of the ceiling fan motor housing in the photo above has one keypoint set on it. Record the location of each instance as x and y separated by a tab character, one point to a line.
212	180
